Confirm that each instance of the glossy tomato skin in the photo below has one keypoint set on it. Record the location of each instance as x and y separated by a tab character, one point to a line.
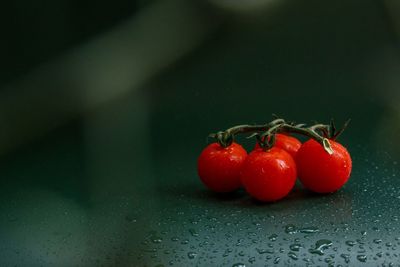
269	175
321	172
288	143
219	168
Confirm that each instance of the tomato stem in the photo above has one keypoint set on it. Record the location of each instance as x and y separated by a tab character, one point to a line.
312	133
265	133
225	138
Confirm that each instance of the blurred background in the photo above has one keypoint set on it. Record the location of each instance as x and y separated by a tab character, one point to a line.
62	60
104	108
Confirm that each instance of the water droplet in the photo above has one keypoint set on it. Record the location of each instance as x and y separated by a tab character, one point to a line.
377	241
346	257
350	243
263	251
227	251
362	258
309	230
273	237
156	240
276	260
320	246
193	232
290	229
295	247
241	253
252	259
293	255
239	265
379	254
192	255
363	232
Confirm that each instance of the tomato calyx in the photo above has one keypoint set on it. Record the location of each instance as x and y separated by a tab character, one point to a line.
333	133
224	139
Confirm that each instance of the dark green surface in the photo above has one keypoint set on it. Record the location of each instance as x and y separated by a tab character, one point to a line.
103	193
118	185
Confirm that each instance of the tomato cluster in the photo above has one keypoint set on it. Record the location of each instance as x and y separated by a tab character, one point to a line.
269	172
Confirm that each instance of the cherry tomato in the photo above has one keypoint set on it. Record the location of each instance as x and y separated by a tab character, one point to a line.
321	172
219	167
269	175
288	143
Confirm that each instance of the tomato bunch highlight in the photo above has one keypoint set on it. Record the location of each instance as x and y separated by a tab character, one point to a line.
269	172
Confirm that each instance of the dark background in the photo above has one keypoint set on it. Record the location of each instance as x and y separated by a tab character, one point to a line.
105	107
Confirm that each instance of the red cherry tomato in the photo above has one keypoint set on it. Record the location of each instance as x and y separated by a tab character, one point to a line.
321	172
219	167
288	143
268	175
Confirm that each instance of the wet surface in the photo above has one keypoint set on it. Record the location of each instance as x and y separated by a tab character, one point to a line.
176	221
96	194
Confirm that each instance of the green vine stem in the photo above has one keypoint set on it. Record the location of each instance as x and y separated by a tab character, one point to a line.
310	132
225	138
265	133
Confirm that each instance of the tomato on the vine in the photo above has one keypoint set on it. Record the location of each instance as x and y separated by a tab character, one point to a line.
320	171
268	175
219	167
288	143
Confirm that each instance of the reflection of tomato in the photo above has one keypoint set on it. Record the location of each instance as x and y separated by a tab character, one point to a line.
219	167
289	143
268	175
321	172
